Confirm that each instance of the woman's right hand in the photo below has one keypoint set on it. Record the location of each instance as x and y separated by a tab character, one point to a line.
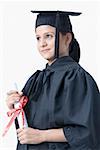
12	98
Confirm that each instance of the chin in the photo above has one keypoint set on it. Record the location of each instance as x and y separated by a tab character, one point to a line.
47	57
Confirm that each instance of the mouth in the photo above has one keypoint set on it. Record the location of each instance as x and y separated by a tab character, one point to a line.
45	50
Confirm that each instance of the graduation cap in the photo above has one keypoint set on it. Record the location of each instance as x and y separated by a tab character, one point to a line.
61	21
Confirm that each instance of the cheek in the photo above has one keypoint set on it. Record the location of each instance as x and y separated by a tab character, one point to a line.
51	43
38	47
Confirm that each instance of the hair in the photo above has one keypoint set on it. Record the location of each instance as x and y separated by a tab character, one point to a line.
74	48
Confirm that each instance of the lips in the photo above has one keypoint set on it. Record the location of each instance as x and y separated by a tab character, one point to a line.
45	50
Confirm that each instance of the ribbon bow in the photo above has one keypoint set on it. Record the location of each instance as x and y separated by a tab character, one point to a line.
15	112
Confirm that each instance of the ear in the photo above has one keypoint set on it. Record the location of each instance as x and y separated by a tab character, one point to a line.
68	38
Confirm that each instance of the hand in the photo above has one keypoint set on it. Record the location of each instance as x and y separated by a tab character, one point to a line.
30	136
12	97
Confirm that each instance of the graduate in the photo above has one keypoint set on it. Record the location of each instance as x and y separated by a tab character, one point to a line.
63	105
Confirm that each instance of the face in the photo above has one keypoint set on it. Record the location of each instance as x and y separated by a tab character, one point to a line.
45	36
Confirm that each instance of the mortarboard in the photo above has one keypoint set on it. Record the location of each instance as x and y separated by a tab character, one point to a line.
61	21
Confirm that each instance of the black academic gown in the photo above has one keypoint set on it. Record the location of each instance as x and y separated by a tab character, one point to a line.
64	96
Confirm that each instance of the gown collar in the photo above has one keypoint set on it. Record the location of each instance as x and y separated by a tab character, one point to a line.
60	62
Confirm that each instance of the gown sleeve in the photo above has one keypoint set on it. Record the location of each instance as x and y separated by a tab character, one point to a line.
81	112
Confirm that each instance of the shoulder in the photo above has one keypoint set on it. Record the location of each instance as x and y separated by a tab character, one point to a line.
31	79
86	74
85	78
33	76
76	72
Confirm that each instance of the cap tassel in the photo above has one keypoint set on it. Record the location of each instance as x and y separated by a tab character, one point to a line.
57	36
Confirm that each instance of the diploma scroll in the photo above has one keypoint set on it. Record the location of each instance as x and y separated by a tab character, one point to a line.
22	122
19	113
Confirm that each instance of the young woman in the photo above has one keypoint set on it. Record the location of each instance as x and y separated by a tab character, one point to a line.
63	107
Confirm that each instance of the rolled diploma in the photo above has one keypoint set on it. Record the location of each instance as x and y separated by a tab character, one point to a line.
19	117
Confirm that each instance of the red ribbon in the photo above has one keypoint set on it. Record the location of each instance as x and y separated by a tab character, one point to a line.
15	112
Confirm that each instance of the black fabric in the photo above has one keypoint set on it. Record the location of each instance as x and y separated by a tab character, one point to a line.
57	36
64	24
69	99
49	18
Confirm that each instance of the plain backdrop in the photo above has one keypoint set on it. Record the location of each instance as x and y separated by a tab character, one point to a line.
19	57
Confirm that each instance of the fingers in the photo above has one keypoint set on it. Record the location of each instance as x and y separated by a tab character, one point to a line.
12	98
19	132
14	92
21	136
22	131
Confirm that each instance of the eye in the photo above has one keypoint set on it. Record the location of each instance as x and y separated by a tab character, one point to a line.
49	36
38	38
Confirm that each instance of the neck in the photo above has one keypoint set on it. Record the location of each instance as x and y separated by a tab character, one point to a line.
51	61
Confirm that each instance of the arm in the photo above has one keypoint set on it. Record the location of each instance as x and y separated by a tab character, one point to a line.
54	135
35	136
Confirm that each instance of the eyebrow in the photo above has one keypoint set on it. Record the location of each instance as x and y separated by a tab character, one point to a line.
46	33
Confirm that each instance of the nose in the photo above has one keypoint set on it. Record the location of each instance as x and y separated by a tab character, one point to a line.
43	43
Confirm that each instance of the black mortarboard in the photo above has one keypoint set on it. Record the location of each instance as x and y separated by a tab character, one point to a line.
58	19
